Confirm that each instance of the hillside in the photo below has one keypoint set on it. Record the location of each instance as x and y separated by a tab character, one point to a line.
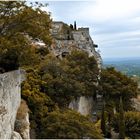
129	66
66	94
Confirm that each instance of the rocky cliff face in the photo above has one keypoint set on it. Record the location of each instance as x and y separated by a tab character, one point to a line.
66	39
84	105
136	103
10	98
22	124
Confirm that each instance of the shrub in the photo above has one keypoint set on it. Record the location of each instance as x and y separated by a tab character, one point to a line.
132	124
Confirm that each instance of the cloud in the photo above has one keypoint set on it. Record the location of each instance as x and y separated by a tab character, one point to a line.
114	24
103	10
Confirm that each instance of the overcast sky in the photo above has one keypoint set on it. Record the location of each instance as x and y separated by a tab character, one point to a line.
114	24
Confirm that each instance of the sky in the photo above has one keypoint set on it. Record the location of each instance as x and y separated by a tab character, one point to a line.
114	24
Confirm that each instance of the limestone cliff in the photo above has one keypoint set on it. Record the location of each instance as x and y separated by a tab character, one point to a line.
66	39
84	105
10	98
136	103
22	124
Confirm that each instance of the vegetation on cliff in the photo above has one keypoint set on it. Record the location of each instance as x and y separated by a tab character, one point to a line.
17	20
132	124
113	85
69	124
52	83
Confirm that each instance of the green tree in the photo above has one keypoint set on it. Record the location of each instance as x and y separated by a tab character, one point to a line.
75	26
19	22
68	124
114	85
121	121
58	84
17	17
71	26
39	103
69	78
132	124
103	122
83	69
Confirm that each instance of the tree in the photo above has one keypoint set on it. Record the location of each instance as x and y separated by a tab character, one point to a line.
9	60
58	83
17	17
132	124
19	22
121	121
55	82
103	123
83	69
75	27
71	26
39	103
68	124
72	77
114	85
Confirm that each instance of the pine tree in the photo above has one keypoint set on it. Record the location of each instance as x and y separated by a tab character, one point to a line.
71	26
121	121
75	27
103	125
108	133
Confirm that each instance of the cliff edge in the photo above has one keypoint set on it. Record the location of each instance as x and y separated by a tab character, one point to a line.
10	99
65	39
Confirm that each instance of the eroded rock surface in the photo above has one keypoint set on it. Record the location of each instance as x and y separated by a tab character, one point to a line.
10	98
22	124
66	39
83	105
15	135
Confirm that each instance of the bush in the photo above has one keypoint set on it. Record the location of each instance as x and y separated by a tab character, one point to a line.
68	124
132	124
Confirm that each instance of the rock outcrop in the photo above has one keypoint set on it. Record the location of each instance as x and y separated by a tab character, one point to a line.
10	98
22	124
66	39
83	105
16	135
136	103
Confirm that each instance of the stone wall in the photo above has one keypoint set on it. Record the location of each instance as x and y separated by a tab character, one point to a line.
10	98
